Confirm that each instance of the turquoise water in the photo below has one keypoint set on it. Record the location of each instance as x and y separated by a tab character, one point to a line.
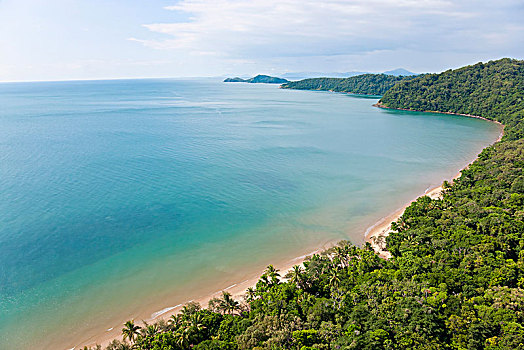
120	198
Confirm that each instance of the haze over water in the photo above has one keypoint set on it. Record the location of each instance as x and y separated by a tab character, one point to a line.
121	198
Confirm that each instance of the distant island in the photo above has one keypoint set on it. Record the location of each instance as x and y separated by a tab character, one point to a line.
264	79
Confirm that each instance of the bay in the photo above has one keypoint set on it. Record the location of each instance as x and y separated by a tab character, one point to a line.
120	198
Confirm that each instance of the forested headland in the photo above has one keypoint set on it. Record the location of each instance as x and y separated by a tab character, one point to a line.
455	279
367	84
493	90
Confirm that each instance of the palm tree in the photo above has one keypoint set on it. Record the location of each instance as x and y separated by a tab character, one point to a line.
174	321
130	331
271	271
151	330
334	279
163	326
343	251
182	338
263	283
228	304
296	276
147	333
273	275
251	294
190	308
196	323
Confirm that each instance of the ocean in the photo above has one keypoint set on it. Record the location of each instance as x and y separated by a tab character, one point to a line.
121	199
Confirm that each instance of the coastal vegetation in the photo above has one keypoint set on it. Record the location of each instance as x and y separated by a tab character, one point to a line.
455	279
493	90
367	84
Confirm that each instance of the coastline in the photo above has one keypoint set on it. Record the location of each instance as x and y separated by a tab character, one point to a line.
380	105
377	233
237	290
372	235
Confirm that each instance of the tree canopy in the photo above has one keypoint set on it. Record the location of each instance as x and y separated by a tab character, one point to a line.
367	84
493	90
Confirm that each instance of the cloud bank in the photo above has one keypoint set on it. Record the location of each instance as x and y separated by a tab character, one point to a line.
280	31
78	39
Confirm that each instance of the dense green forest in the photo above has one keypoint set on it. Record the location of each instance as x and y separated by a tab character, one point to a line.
367	84
492	90
455	279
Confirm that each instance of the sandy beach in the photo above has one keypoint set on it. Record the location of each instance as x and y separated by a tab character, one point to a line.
377	233
237	290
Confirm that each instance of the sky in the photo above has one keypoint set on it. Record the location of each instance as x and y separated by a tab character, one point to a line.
99	39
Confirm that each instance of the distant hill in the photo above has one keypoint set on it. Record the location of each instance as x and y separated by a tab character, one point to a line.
367	84
307	75
399	71
265	79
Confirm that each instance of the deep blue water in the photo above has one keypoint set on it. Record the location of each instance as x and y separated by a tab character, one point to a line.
114	192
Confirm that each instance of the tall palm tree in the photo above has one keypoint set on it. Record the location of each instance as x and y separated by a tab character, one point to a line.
263	282
251	294
342	252
334	279
130	331
228	304
296	275
163	326
117	345
273	275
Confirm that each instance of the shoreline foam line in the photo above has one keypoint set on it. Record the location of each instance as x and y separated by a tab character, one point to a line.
163	311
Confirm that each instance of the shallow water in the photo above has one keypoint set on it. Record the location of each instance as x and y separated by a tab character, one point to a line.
121	198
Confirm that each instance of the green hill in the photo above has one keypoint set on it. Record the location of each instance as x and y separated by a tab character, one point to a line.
367	84
455	279
493	90
264	79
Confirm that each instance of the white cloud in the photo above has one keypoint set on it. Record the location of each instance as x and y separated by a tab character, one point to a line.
49	40
272	29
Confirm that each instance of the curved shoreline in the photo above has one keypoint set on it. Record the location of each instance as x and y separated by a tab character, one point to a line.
372	235
237	290
380	105
376	234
